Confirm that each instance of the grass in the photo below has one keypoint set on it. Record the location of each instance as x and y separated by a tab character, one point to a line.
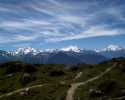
57	84
48	92
116	76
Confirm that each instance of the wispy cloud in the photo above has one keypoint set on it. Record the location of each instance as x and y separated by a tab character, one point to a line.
15	39
55	21
54	2
91	32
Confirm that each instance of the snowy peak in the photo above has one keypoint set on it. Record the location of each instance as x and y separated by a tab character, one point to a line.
71	48
112	48
25	50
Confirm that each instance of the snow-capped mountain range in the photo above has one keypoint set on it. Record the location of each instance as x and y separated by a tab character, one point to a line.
68	55
28	50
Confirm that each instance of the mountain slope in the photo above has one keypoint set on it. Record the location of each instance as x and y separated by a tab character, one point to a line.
63	58
92	58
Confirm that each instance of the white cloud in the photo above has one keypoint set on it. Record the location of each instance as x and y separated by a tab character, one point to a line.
25	38
23	24
116	12
54	2
17	38
3	9
59	25
95	31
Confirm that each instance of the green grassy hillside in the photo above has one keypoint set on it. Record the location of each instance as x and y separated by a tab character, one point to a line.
56	80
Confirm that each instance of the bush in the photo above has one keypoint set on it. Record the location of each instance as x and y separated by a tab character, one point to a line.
74	68
13	68
27	78
30	68
56	73
108	86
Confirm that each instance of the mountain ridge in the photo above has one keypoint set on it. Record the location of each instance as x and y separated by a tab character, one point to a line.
73	54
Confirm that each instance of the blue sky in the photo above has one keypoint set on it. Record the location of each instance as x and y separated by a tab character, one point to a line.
59	23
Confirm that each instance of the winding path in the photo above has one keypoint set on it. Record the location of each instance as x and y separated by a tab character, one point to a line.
19	90
77	76
72	89
74	86
119	98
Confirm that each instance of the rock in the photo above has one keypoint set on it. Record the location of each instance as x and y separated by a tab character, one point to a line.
25	92
95	93
26	78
